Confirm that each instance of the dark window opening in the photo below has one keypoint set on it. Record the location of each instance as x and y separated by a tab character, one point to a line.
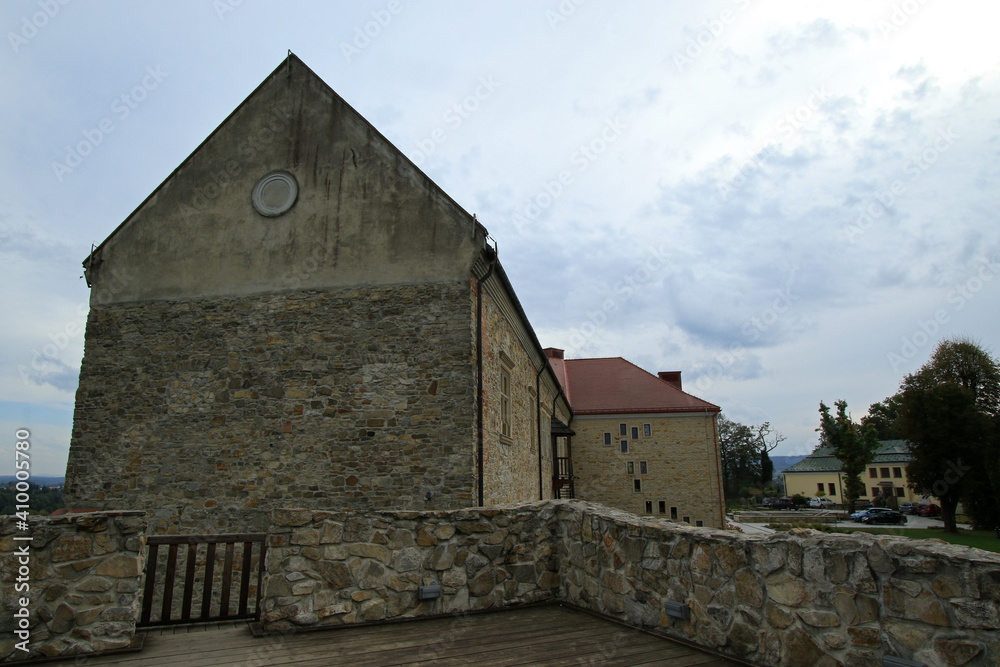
630	468
635	432
607	438
833	489
897	472
624	446
623	429
637	485
663	507
646	430
700	524
885	472
673	513
649	507
643	468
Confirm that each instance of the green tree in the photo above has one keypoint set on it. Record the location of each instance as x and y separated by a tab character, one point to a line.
743	456
853	445
949	413
884	418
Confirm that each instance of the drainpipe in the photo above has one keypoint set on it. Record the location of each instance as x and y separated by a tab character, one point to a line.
538	420
479	373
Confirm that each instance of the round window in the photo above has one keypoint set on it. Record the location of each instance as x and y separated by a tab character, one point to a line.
275	193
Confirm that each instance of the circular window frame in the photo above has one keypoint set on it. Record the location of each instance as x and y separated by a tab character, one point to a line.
257	195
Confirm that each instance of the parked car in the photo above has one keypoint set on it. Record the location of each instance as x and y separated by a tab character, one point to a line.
883	515
858	516
908	508
821	502
782	504
766	502
928	509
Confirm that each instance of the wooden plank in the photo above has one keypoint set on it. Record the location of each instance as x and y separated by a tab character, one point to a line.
206	539
192	558
245	579
227	580
206	596
147	594
261	559
168	583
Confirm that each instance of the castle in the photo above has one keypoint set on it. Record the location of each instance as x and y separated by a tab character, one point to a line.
298	316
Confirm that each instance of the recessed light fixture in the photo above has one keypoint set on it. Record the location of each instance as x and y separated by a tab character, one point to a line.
275	194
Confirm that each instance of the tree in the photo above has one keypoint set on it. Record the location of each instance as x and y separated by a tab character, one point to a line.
949	413
884	418
853	445
743	453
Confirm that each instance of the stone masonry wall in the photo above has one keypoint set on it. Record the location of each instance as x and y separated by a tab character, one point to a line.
82	584
225	407
329	569
511	464
681	462
800	599
805	598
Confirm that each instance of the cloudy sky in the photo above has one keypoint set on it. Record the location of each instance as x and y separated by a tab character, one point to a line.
788	201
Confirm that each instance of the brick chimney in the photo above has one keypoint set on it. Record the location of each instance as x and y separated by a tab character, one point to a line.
556	353
671	377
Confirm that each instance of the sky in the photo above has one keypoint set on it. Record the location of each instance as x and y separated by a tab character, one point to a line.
789	202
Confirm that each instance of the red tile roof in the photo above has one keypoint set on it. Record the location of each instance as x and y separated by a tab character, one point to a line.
615	386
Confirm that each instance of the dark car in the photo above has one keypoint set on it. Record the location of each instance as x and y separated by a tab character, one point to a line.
928	509
782	504
908	508
883	515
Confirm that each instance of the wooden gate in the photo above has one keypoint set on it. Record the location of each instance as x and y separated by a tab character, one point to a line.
200	555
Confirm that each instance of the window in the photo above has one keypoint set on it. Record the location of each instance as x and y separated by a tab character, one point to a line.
637	485
607	438
700	524
646	430
643	468
630	468
873	472
663	507
899	492
819	488
635	432
673	513
885	472
897	472
623	429
505	402
624	446
687	519
649	507
833	489
874	492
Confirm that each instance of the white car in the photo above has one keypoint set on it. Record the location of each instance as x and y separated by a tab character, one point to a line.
821	502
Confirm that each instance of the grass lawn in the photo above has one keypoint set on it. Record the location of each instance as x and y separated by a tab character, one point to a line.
981	539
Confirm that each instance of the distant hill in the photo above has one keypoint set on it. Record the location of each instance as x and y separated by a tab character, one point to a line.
40	480
782	462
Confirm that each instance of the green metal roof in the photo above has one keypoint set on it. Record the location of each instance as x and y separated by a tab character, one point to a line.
823	460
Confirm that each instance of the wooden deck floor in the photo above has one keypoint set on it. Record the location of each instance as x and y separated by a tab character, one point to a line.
545	635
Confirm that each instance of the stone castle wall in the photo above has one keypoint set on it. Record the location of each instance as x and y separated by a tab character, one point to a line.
802	599
223	408
511	472
81	579
681	458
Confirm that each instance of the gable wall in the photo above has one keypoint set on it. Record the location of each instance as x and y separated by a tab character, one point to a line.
682	462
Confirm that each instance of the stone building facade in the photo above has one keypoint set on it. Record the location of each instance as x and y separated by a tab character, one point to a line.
298	315
640	442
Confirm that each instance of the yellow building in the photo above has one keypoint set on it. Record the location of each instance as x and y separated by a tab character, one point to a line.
819	475
638	442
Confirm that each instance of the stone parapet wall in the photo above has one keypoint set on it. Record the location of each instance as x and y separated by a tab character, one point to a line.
804	598
328	569
81	584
